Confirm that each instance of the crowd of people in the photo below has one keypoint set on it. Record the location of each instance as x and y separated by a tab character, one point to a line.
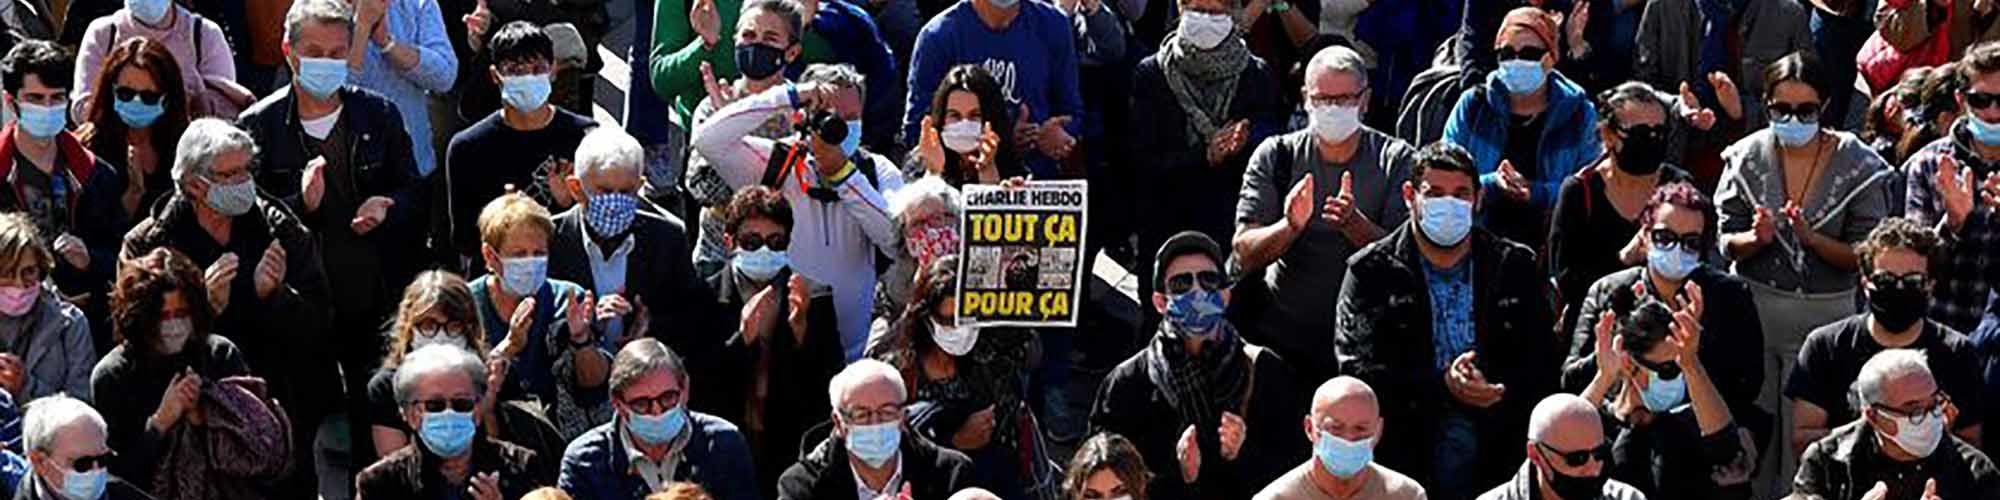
1450	249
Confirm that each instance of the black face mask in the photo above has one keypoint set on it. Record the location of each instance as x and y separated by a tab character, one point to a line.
758	61
1575	488
1642	150
1898	308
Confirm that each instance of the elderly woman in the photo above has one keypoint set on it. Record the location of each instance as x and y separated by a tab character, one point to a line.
1107	466
67	453
926	214
48	347
656	435
440	388
162	315
541	326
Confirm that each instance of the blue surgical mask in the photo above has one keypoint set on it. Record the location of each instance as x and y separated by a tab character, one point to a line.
447	433
1341	457
322	76
1986	133
656	429
610	214
1446	220
875	444
150	11
1521	77
1663	394
525	92
1793	133
43	122
523	276
1195	312
1672	263
852	143
84	485
138	114
761	264
232	199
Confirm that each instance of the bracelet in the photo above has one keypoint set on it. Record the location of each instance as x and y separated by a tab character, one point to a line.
792	90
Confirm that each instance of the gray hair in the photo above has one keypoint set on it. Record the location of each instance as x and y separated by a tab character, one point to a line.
974	494
641	357
927	188
204	140
838	75
1885	366
49	415
1338	59
788	11
607	148
861	373
318	11
1556	408
435	359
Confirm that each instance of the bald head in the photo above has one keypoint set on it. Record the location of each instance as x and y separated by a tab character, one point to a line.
1562	414
1344	392
974	494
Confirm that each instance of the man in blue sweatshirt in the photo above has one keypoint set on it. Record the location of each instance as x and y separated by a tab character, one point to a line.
1030	47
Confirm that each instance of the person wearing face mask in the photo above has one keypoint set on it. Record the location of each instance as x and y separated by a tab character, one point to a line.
1896	261
528	143
1406	325
1568	457
1106	467
162	312
827	178
1897	447
1344	425
656	440
199	45
1309	200
966	381
1527	126
49	348
767	38
550	332
870	452
633	261
440	389
962	139
1206	407
786	344
1030	48
1938	193
1674	434
926	214
68	454
135	123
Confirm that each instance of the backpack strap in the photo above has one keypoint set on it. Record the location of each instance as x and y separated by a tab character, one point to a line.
775	167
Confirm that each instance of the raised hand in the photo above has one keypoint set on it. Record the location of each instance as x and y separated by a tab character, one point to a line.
476	25
1189	453
371	213
1340	205
1611	360
1796	217
270	271
1764	226
1232	434
1954	188
1579	18
987	156
579	315
759	315
706	22
800	302
1025	131
1298	204
1691	110
930	146
180	398
517	330
1727	95
218	278
1512	183
1227	141
73	251
720	92
1054	140
312	185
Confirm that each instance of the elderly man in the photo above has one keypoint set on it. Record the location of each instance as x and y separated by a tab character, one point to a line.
825	176
1343	426
634	261
867	455
1567	457
1899	446
655	440
1314	197
262	270
441	389
64	438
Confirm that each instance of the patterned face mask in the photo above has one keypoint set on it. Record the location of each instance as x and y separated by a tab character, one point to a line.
930	241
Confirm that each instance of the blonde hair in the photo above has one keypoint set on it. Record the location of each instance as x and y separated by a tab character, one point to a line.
509	212
445	292
681	491
19	238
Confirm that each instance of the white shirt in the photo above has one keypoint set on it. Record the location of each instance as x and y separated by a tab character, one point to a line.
889	489
657	474
321	127
607	273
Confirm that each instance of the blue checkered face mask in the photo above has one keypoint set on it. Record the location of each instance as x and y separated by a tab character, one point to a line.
611	214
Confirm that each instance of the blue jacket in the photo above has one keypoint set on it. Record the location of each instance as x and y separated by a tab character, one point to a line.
716	457
1569	133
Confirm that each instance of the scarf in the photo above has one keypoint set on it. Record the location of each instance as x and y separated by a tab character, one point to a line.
245	442
1199	387
1203	81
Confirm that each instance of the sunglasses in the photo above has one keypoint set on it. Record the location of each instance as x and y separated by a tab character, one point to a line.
1886	281
653	405
776	242
1975	101
92	462
461	405
1183	282
1655	132
1670	239
1522	53
1602	453
150	97
1668	370
1804	112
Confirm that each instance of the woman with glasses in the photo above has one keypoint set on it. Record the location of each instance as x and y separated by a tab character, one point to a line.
1106	467
45	343
440	389
134	126
160	310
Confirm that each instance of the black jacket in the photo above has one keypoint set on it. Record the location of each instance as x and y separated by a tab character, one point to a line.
797	373
368	154
1732	340
114	489
412	472
824	474
1179	186
1130	404
658	274
1848	462
1383	336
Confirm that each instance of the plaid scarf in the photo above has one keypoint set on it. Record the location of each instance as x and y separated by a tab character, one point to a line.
1203	81
1199	386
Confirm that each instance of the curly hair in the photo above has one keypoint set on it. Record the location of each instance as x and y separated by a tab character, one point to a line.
756	202
1107	451
1897	233
441	291
141	290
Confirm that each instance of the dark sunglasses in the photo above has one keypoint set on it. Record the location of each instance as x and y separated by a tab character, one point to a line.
1667	238
1886	281
1655	132
150	97
1580	457
92	462
1975	101
1805	111
461	405
1181	283
1522	53
777	242
1668	370
653	405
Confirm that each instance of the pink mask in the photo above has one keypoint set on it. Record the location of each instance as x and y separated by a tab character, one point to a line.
16	300
928	242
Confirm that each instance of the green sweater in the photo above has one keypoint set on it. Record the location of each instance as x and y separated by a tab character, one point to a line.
677	54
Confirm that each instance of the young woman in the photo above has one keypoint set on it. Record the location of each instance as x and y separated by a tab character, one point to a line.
963	134
135	125
1106	467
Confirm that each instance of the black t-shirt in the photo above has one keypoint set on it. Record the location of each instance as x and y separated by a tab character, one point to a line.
489	155
42	198
1833	354
382	407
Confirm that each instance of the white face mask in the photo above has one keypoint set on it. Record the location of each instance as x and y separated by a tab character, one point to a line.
426	338
174	335
963	135
1919	439
954	340
1335	123
1206	31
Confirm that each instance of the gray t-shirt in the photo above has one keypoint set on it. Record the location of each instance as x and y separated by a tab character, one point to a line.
1383	484
1305	280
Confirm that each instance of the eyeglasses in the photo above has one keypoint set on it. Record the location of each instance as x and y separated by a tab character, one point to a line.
461	405
1668	239
150	97
1804	111
1975	101
1323	100
520	69
1520	53
441	326
1936	409
1667	371
754	241
1181	283
880	415
1602	453
1655	132
1885	281
92	462
656	404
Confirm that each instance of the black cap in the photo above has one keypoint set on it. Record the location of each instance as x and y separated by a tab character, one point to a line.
1187	242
